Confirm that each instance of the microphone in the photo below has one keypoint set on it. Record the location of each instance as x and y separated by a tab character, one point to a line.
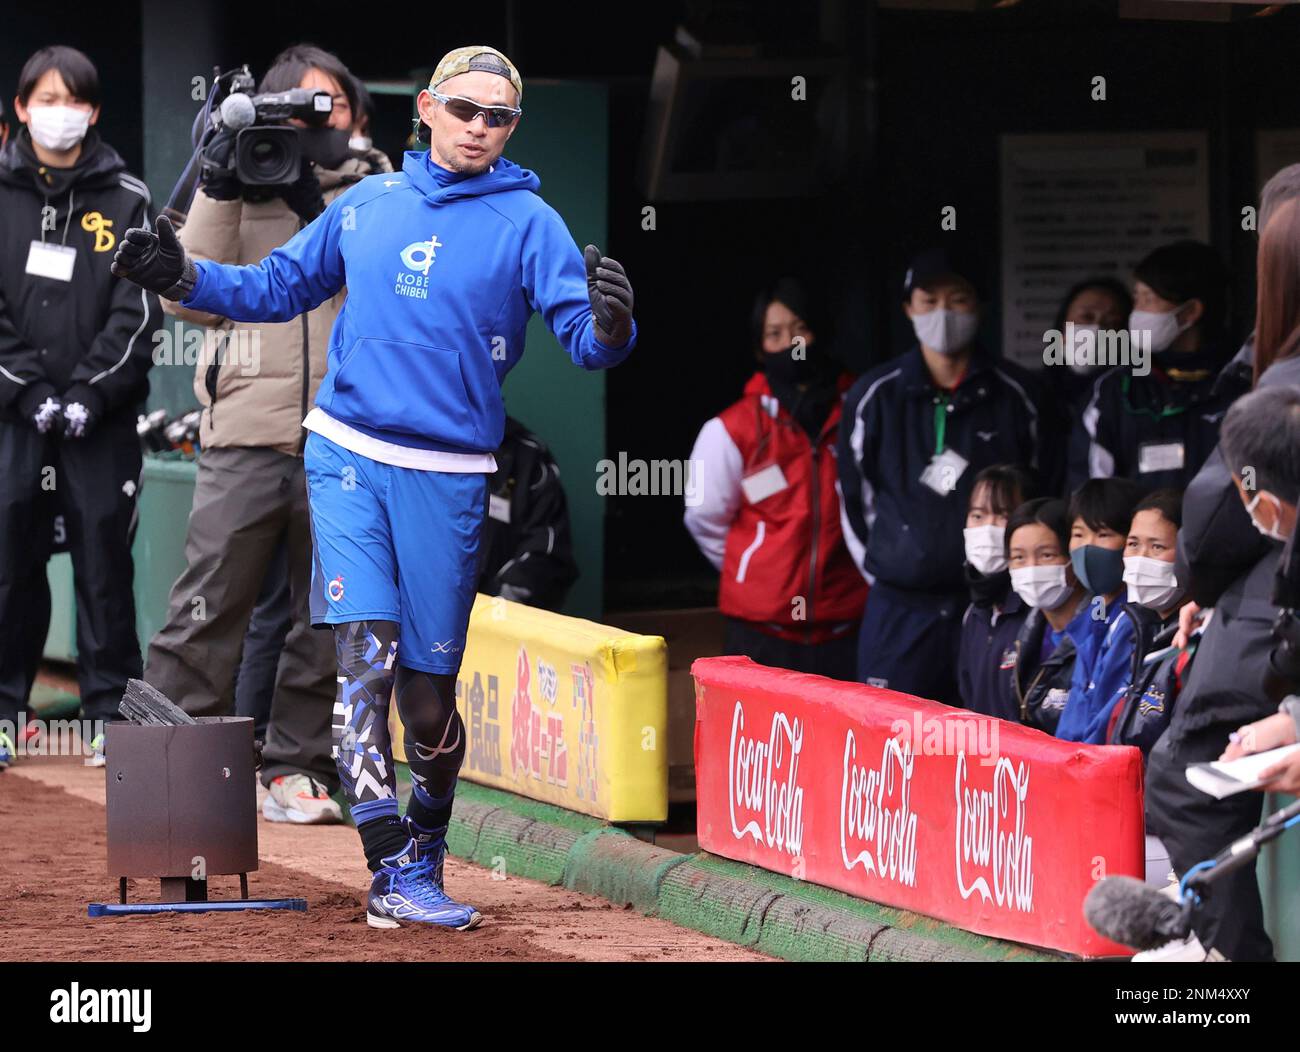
1132	913
237	111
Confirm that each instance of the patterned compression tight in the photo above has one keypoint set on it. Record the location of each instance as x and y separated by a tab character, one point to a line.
434	737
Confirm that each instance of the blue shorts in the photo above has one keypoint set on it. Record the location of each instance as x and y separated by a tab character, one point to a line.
395	544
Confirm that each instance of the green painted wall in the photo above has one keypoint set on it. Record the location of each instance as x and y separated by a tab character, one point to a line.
563	137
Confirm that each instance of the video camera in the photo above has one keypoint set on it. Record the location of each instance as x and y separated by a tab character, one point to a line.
267	150
249	134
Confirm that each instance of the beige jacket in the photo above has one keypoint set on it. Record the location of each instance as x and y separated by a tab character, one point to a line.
257	380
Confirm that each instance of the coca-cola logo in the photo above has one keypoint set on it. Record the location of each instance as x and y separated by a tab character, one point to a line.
762	783
991	839
876	817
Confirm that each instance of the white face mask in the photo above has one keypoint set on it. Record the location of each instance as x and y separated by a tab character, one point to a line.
58	127
945	331
1044	587
1164	327
1273	533
360	143
1151	582
984	548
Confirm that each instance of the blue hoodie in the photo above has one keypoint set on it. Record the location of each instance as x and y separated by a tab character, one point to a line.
442	275
1099	673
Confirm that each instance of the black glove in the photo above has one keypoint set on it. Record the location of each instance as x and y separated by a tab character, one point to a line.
304	194
82	408
611	297
40	407
217	173
155	261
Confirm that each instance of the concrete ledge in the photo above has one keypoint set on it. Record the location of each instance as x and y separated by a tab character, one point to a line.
743	904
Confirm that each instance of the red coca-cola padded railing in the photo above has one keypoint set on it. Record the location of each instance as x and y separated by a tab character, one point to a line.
985	824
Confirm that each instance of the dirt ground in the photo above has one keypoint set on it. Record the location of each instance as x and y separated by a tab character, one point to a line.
54	864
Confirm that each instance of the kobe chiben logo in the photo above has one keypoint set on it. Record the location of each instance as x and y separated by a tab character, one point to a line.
417	257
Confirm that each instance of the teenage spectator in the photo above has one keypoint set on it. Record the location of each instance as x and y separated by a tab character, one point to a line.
1094	305
1038	538
250	493
75	351
1101	512
1158	428
526	546
916	432
1142	709
993	620
766	508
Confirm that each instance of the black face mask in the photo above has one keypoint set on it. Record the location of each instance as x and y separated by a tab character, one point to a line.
811	367
328	147
817	373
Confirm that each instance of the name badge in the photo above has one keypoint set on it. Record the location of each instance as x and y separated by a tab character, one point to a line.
1160	456
51	261
498	508
763	483
943	471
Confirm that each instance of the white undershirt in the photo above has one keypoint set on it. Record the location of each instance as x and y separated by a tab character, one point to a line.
338	432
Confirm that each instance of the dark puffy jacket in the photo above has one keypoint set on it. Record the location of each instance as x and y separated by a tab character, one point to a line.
1226	682
1217	543
1041	689
95	332
526	550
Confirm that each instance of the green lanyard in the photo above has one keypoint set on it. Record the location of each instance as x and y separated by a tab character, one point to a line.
940	422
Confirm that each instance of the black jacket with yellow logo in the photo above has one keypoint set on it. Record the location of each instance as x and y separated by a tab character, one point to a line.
89	339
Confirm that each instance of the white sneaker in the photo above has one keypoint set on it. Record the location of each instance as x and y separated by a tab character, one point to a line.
300	799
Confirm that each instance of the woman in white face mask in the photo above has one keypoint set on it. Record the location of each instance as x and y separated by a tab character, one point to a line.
1155	597
992	621
1153	416
1149	554
1038	538
57	119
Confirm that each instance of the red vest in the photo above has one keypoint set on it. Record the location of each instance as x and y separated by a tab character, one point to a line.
785	566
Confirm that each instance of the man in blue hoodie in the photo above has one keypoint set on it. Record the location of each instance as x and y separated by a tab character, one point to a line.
444	264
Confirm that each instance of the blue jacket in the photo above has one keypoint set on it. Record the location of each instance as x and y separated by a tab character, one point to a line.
899	530
1102	672
441	280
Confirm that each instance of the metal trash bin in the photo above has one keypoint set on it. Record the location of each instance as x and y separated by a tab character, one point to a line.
181	805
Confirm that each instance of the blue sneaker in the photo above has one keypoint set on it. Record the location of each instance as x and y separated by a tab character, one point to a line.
408	889
7	750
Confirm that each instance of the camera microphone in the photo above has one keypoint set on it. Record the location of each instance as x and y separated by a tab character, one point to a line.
238	111
1131	913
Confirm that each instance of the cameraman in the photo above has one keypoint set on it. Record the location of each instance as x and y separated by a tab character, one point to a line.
1260	446
75	345
250	491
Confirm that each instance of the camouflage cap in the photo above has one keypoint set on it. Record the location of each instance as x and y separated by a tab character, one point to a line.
476	57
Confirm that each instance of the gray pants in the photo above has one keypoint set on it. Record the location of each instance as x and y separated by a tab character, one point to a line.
244	501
